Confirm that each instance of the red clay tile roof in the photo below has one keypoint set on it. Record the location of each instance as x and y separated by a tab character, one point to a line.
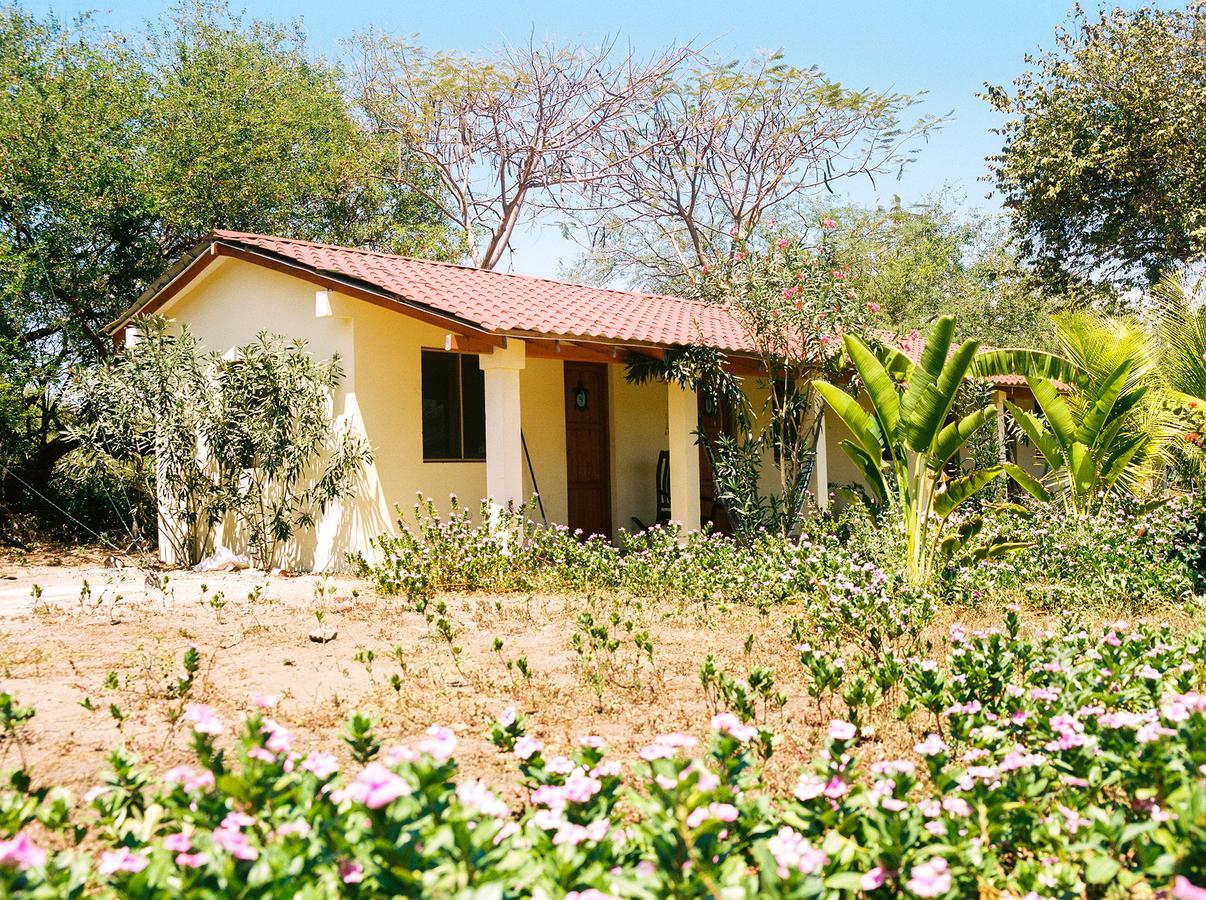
523	304
507	303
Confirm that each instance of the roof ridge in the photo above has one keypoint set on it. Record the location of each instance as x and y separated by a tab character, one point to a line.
222	233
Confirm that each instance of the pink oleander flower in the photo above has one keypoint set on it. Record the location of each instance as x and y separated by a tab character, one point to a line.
121	860
203	718
527	747
440	743
828	224
321	765
930	879
20	852
840	730
782	243
729	724
351	871
793	853
375	786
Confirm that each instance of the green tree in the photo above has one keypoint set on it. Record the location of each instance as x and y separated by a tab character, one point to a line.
1103	164
118	154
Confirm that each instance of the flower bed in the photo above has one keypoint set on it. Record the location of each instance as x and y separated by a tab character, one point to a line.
1050	765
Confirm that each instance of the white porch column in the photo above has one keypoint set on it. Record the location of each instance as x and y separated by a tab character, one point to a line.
504	444
683	418
820	465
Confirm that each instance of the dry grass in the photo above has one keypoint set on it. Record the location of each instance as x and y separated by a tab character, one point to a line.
122	641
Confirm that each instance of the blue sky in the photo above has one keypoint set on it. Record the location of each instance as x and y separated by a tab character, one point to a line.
948	48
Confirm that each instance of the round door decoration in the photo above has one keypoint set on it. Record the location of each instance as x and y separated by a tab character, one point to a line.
581	396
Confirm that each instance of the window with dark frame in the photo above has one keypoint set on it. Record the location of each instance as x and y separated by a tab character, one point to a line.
454	407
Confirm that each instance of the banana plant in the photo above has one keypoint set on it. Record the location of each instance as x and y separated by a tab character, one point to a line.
902	446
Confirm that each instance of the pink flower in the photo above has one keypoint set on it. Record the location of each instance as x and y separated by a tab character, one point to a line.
178	842
930	879
203	719
507	719
828	224
375	786
21	853
809	787
782	243
840	730
234	842
320	765
189	778
729	724
191	860
263	701
872	880
1184	889
872	306
351	871
792	852
121	860
440	743
527	747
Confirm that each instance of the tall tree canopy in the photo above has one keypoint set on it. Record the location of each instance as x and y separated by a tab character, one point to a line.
1104	161
117	154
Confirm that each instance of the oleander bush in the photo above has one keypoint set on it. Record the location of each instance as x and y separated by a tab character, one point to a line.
1048	765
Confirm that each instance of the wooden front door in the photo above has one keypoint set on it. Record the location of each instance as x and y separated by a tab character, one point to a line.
587	447
714	420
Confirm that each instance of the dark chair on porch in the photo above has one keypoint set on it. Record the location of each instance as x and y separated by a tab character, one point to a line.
662	485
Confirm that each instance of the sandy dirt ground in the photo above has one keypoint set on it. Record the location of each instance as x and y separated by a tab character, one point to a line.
78	637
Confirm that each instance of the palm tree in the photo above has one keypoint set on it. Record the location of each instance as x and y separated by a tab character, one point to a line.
1104	435
1179	329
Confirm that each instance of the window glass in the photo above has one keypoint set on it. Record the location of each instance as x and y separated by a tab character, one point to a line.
441	405
473	408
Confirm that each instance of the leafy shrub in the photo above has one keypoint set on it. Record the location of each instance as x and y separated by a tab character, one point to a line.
1125	553
1061	765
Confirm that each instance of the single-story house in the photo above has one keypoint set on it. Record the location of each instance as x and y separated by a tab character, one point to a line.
477	383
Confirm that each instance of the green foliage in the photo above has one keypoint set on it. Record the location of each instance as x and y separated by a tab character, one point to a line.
905	445
1104	436
121	152
250	437
1100	166
919	262
795	296
280	459
1066	762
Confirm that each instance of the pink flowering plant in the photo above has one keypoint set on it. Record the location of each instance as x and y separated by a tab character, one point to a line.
1059	764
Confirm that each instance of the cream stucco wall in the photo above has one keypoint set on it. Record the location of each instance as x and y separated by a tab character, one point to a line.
638	435
380	395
